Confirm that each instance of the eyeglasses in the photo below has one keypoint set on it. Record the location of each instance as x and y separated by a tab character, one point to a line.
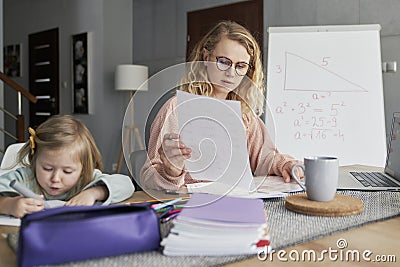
224	63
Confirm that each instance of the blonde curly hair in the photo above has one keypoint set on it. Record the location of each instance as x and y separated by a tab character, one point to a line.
251	90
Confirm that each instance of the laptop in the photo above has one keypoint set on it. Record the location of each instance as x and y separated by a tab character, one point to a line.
360	179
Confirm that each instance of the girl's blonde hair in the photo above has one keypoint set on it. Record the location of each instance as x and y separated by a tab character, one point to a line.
61	131
251	91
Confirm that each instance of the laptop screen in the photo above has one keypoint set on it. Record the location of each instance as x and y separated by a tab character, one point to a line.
393	156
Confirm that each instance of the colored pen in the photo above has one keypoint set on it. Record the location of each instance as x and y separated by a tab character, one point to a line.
168	212
166	219
160	206
165	211
174	211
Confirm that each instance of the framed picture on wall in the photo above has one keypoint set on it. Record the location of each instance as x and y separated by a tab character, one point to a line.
12	60
81	68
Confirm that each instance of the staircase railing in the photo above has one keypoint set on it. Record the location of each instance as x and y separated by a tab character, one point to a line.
19	118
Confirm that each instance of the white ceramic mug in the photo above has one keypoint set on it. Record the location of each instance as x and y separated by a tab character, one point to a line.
321	177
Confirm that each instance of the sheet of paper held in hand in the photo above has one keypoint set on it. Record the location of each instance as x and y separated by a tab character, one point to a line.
213	129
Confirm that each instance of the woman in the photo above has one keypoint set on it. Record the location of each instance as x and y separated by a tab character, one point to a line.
227	65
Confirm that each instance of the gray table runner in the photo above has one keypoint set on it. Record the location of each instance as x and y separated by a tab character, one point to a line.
287	228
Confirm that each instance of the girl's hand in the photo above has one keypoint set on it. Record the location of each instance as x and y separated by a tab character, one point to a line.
20	206
173	153
89	196
287	168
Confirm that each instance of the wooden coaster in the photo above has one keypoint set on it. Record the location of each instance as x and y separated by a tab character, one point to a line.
341	205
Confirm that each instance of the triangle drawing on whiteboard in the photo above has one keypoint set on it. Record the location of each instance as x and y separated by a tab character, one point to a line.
302	74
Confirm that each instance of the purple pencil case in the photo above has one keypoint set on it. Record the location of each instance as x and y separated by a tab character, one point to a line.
67	234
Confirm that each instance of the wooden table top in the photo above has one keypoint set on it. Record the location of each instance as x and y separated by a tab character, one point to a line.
381	238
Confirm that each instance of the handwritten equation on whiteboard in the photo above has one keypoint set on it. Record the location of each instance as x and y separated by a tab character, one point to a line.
318	118
325	93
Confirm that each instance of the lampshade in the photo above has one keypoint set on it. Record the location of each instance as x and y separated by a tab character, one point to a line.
131	77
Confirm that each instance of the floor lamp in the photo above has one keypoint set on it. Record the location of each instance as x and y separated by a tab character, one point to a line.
131	78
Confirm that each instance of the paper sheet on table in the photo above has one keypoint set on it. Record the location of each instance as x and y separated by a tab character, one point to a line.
266	187
12	221
266	184
213	129
9	220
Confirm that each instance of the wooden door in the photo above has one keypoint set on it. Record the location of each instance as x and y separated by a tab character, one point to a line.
248	14
43	75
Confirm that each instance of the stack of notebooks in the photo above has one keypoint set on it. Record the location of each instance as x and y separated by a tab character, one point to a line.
211	225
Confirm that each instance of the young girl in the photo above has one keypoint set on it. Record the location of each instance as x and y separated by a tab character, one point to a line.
64	163
226	65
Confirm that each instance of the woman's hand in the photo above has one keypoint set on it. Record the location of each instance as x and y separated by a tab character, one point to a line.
173	153
287	168
89	196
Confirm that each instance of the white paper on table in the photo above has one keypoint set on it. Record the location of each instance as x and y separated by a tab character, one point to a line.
267	184
9	220
266	187
12	221
214	130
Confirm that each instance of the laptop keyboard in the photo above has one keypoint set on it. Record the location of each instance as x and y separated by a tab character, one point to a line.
374	179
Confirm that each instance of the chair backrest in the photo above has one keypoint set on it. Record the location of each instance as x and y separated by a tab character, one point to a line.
154	111
138	157
10	158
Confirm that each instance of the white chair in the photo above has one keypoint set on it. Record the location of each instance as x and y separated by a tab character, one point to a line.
10	158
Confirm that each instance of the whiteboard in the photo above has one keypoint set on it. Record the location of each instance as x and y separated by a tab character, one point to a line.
325	94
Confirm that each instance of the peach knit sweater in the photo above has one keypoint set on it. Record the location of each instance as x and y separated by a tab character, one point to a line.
264	157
